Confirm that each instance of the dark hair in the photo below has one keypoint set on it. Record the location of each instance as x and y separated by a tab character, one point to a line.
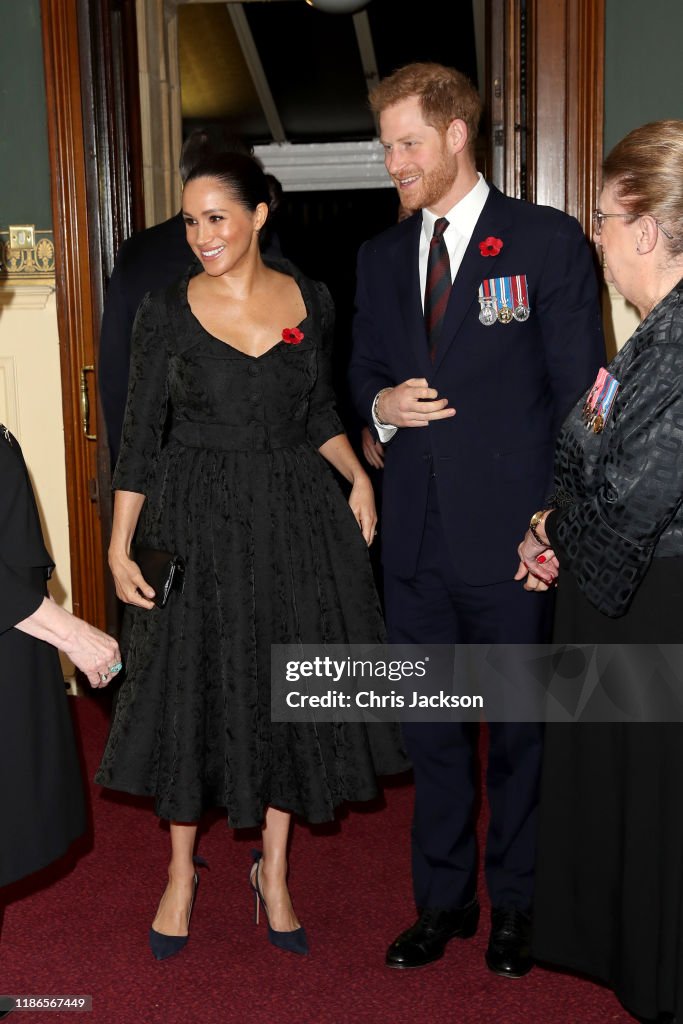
444	94
645	170
239	175
276	193
203	143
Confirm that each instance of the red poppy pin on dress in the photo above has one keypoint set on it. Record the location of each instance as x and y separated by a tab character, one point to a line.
292	336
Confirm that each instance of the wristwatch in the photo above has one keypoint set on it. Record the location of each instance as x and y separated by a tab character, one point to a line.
375	407
535	522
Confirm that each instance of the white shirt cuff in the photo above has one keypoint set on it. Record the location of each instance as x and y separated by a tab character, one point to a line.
385	431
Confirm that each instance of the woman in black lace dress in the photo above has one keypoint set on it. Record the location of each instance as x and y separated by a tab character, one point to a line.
609	890
238	485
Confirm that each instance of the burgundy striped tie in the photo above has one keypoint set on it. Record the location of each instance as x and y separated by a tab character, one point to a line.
438	284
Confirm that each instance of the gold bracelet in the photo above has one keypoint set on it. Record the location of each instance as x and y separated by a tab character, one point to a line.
536	521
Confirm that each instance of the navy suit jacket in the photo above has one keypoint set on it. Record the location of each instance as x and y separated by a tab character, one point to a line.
511	384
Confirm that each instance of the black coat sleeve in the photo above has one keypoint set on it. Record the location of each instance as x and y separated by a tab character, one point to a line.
18	598
608	540
369	370
118	317
24	560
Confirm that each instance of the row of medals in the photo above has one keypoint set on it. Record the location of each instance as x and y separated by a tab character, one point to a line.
596	408
593	418
490	313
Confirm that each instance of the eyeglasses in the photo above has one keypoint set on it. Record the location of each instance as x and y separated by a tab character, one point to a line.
599	217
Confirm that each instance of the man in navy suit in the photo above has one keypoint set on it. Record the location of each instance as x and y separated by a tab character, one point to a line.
469	414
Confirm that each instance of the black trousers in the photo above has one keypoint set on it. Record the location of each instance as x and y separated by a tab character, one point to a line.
437	607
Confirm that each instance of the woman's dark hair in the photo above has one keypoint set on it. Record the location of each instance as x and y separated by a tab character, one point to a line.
203	143
239	175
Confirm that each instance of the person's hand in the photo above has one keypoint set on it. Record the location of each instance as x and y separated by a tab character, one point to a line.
131	585
362	504
372	450
95	653
538	565
532	581
412	404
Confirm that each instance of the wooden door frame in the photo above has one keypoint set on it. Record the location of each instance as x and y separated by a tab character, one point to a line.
75	312
555	160
110	106
551	57
90	218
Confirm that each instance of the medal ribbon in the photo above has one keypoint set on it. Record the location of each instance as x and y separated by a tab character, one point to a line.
519	292
606	400
596	390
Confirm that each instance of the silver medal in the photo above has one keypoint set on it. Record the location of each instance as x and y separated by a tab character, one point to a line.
487	314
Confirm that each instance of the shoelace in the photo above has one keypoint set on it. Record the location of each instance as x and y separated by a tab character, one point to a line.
508	920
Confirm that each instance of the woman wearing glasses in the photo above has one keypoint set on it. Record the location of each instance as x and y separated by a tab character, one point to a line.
609	894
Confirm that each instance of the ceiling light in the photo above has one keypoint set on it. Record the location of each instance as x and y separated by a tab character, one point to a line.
338	6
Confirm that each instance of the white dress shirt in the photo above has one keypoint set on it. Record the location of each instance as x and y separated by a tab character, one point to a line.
462	219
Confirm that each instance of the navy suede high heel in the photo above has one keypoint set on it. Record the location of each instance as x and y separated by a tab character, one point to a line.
165	946
291	942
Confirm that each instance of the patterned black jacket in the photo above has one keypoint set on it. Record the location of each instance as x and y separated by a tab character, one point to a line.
621	491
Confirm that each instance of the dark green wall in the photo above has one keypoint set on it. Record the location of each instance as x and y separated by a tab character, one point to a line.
643	64
24	161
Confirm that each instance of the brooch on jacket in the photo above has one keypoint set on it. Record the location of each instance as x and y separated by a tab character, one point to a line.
600	401
5	433
504	299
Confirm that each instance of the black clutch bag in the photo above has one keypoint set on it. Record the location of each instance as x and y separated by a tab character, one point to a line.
162	570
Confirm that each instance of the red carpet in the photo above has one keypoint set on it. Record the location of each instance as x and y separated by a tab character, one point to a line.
84	931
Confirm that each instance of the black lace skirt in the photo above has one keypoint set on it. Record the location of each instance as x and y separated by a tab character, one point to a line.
274	555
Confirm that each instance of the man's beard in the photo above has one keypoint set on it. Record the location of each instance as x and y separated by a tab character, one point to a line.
433	186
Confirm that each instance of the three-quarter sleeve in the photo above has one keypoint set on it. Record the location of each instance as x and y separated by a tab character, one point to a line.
147	401
323	422
24	560
18	597
607	541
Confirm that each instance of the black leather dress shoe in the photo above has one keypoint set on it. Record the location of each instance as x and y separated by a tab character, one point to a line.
509	949
426	940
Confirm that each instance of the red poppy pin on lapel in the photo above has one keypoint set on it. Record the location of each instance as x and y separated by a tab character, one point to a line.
490	246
